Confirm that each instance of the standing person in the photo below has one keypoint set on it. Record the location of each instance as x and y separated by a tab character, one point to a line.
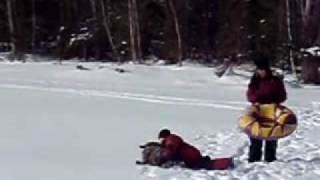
264	88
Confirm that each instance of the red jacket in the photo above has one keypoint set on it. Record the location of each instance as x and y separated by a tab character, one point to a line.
266	91
177	149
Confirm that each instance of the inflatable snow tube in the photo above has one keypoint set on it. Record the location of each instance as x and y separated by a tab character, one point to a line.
268	122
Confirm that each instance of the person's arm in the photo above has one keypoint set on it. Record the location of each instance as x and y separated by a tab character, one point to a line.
251	95
170	147
172	143
166	155
282	93
252	89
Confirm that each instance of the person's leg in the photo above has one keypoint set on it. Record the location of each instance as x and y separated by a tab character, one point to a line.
270	151
216	164
222	163
255	150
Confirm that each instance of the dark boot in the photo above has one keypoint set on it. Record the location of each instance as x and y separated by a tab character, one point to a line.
205	163
270	151
255	151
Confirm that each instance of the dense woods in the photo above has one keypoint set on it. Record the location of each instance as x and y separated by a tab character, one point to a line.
207	31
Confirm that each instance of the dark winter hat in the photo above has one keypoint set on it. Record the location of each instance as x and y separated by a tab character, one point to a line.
261	61
164	133
264	65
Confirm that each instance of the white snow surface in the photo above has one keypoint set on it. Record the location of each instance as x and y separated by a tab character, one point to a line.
61	123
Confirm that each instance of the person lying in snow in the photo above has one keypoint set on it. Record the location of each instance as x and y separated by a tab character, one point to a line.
173	149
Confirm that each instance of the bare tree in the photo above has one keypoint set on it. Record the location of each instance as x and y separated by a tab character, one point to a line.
95	18
132	31
108	31
137	29
305	8
311	63
94	9
177	30
290	40
34	24
311	12
10	5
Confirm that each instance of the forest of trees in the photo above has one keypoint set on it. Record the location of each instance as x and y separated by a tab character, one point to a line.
208	31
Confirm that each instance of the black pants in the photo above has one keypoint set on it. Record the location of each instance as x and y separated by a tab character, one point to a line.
255	151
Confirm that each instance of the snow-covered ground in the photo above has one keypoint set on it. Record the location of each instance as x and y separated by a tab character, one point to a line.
61	123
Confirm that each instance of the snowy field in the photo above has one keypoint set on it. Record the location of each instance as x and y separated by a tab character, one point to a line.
61	123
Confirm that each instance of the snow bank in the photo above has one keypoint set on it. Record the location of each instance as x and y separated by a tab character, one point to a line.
314	51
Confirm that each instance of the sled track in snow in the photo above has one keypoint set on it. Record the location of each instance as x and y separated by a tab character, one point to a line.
232	105
297	156
148	98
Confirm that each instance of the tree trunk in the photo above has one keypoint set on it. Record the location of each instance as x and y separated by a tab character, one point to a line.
108	32
311	13
290	39
311	69
317	15
16	30
95	17
65	29
94	10
10	4
34	24
137	29
306	9
177	30
132	31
